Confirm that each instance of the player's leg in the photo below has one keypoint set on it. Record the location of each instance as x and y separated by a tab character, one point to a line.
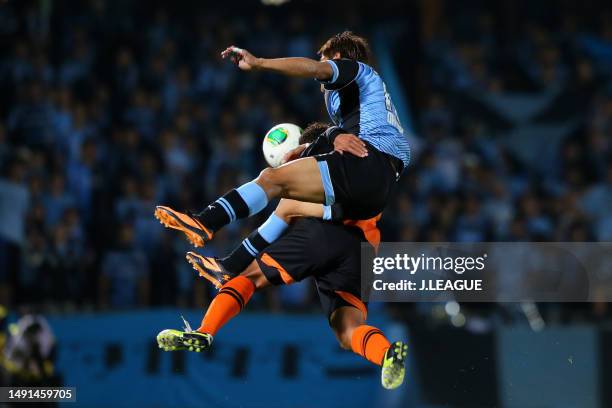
343	322
303	179
301	250
340	294
299	180
286	211
236	292
351	330
349	326
218	271
287	260
232	297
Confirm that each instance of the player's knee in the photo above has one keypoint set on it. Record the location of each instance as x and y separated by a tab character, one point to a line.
343	335
344	321
258	281
268	177
271	181
256	276
343	332
255	280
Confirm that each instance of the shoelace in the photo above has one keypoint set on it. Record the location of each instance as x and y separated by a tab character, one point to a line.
187	327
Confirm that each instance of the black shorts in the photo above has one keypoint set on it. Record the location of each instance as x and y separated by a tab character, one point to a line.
361	185
328	252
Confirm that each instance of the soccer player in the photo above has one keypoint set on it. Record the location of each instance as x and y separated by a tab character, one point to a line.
333	261
361	182
330	253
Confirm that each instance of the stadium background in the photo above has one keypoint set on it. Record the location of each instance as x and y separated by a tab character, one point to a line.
110	107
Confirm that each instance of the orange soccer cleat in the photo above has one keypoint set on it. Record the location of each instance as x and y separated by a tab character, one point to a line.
209	268
195	231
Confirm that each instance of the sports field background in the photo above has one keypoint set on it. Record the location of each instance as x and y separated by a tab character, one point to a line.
108	108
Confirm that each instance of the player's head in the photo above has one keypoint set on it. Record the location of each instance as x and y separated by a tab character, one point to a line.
313	131
346	45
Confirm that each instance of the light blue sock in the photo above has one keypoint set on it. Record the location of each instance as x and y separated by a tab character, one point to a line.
272	228
254	196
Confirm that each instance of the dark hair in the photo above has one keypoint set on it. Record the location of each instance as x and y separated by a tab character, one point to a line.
313	131
348	45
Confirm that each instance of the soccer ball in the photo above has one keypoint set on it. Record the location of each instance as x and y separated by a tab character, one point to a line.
279	140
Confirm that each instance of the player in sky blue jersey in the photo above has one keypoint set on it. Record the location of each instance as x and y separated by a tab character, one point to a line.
367	130
357	177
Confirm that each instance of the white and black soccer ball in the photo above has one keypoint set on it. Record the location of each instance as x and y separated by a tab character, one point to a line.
279	140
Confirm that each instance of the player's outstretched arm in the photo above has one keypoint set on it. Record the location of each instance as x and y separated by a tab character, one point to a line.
295	66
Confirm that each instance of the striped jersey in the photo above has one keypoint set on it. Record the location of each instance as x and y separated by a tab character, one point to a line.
357	100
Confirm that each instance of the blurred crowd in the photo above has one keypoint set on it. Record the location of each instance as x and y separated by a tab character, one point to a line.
517	131
108	109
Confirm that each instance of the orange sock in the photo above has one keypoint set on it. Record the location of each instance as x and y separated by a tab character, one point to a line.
228	303
370	343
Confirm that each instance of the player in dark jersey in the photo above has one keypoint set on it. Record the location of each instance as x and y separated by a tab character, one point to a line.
329	253
357	102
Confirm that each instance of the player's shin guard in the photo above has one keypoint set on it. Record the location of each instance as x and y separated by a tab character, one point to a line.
370	343
242	202
228	303
259	240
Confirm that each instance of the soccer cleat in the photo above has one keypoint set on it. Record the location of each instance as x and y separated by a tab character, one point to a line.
196	233
209	268
394	365
174	340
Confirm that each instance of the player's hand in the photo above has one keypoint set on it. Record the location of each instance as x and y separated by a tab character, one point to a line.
294	153
346	142
241	57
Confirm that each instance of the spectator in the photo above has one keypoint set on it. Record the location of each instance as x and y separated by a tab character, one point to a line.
125	272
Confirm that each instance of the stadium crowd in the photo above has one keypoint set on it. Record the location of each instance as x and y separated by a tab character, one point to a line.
107	111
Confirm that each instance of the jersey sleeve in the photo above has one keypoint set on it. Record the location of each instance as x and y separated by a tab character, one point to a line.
321	145
332	132
344	71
